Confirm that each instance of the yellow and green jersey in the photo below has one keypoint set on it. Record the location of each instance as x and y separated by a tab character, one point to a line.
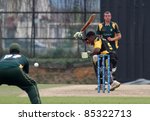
109	31
103	45
14	60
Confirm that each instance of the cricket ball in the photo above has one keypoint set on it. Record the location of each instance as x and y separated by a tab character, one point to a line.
36	64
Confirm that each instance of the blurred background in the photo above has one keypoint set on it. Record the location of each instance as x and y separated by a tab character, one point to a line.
45	25
45	29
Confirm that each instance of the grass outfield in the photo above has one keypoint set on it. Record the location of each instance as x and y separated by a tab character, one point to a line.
10	95
77	100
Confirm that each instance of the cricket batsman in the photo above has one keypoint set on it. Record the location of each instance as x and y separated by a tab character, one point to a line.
14	69
100	46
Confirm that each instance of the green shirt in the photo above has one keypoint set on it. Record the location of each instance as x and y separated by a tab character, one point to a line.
109	31
14	60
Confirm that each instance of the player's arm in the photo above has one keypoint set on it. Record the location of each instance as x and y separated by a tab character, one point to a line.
117	37
26	68
26	65
98	30
97	47
117	34
96	51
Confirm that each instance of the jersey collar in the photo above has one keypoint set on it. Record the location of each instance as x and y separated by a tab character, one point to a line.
107	24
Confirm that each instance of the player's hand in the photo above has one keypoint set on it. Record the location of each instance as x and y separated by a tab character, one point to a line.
78	35
96	51
89	53
110	39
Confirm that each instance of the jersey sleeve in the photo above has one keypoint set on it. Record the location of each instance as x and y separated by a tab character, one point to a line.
98	44
26	68
117	28
99	27
26	65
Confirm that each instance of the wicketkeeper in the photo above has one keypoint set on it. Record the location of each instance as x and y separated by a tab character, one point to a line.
14	69
100	46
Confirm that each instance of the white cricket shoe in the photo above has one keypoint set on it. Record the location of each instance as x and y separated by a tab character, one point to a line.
114	85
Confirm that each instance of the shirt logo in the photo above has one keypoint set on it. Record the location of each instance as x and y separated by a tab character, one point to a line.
11	56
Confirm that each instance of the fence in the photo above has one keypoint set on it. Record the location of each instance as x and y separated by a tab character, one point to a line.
45	28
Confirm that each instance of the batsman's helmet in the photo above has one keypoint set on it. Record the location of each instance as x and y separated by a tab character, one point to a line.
90	33
14	48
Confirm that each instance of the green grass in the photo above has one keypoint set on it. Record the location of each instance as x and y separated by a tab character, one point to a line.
97	100
14	100
10	95
77	100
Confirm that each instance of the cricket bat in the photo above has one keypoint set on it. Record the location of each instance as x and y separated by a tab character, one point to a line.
90	20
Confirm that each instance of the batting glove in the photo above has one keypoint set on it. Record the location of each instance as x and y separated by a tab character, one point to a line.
78	35
89	53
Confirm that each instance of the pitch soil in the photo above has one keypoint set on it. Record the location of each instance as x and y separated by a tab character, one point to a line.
89	90
77	77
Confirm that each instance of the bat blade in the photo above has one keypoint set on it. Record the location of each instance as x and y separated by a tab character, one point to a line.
90	20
